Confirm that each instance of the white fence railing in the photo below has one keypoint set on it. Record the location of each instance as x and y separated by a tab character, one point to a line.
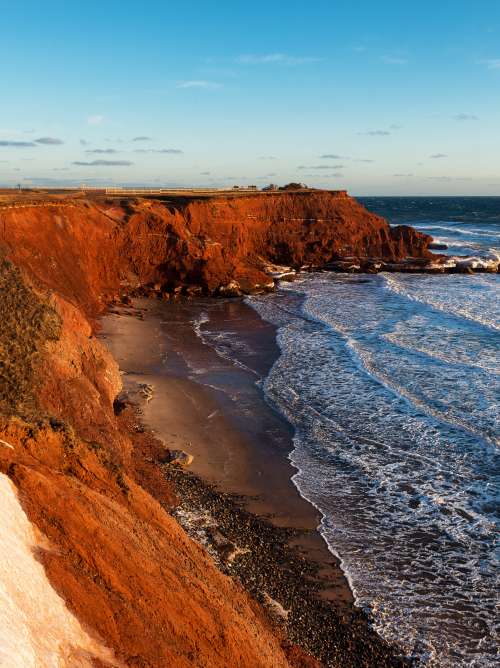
166	191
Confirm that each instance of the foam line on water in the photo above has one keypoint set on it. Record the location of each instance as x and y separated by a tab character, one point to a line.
361	460
215	340
397	285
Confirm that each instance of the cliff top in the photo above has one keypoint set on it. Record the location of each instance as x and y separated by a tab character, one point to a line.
15	197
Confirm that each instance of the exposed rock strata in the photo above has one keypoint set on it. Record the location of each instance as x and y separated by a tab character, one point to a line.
90	251
123	565
86	477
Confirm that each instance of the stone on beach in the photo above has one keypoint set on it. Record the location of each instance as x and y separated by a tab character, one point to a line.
232	289
179	457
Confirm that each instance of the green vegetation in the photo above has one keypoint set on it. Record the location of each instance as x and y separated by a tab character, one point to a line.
27	323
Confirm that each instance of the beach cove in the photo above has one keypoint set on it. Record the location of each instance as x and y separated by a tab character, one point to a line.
237	497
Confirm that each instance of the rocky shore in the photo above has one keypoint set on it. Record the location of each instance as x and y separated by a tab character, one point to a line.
276	574
91	479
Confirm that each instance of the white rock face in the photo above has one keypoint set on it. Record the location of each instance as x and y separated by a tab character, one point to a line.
36	628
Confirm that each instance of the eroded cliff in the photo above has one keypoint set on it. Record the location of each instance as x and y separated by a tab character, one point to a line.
88	482
84	472
89	250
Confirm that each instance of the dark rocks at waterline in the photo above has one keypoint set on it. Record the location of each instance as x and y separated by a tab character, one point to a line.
439	265
287	584
177	457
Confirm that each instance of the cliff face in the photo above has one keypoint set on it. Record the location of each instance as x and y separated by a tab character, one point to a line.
88	482
86	477
88	250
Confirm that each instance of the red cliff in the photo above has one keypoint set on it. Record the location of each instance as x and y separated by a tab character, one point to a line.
86	476
92	249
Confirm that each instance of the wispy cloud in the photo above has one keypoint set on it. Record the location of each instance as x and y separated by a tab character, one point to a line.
438	156
49	141
48	180
375	133
171	151
490	63
321	167
199	83
335	156
16	144
275	59
141	138
268	157
44	141
95	119
104	151
465	117
84	142
394	60
403	176
103	163
449	178
334	175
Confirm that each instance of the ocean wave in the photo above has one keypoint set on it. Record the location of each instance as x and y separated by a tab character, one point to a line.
459	230
459	304
443	346
225	343
458	243
406	498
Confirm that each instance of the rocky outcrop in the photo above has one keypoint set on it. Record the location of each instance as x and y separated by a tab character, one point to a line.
90	251
89	483
86	475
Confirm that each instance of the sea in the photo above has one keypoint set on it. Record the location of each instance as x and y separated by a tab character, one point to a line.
391	383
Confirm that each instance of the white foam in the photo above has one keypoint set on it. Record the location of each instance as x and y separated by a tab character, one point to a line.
225	344
406	492
482	308
459	230
454	243
36	628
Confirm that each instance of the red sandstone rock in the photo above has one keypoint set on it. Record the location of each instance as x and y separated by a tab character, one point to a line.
86	480
92	251
123	565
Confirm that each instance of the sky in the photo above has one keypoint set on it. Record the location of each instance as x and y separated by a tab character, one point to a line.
380	98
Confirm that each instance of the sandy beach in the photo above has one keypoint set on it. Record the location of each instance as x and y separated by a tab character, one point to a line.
196	399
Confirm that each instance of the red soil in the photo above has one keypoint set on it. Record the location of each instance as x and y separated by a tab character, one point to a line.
87	478
89	251
121	562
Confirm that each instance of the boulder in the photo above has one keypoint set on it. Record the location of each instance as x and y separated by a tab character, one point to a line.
179	457
232	289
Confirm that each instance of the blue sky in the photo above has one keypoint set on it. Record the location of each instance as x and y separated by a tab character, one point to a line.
387	97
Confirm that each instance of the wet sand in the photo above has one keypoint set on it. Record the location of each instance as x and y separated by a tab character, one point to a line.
214	409
209	403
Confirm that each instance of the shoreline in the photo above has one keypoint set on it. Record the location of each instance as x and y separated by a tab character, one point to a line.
239	490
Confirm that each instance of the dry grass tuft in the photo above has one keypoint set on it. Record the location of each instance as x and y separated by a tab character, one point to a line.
27	321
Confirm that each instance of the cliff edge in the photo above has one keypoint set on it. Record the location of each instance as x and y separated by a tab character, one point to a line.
83	471
92	249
